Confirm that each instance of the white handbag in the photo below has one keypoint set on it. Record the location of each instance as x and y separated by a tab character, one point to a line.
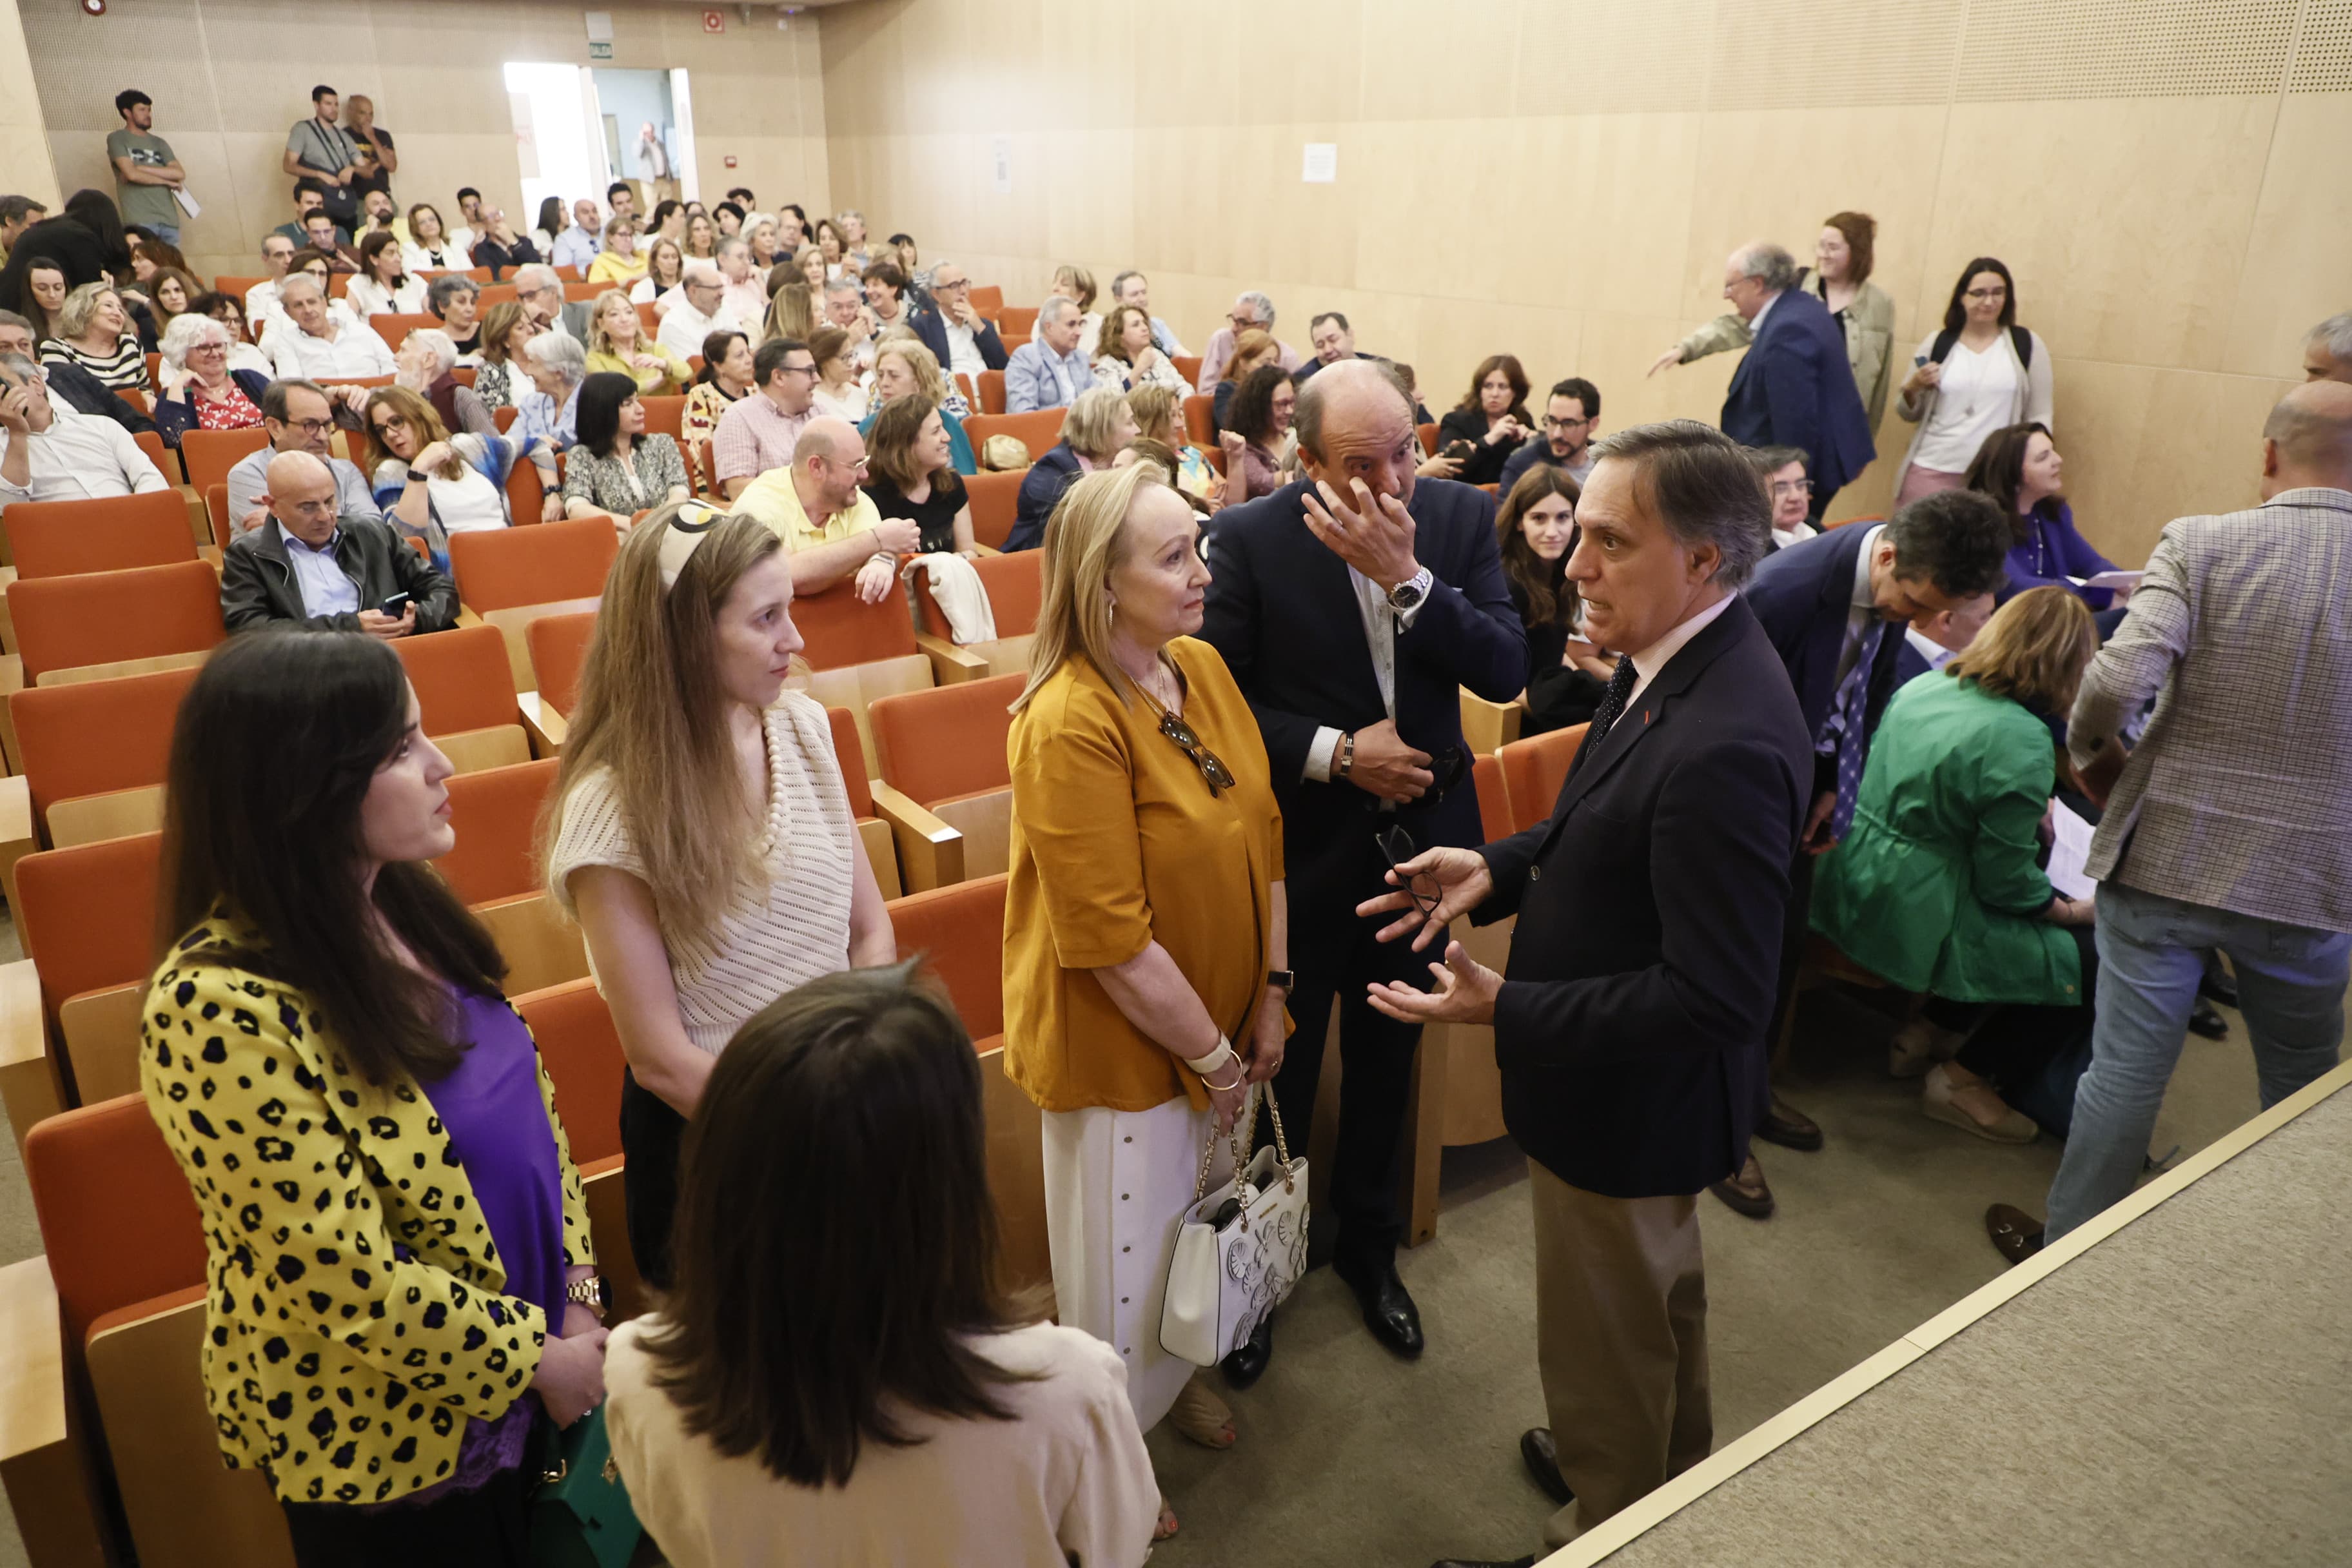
1223	1278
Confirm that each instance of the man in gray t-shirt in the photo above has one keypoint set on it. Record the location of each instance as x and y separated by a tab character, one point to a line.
146	172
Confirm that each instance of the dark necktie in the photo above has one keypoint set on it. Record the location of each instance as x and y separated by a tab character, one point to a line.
1621	687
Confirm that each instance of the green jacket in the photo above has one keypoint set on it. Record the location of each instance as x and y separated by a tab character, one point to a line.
1936	888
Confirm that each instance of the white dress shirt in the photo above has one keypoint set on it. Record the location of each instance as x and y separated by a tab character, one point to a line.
683	330
354	350
1381	624
1861	609
1660	653
81	457
1927	648
963	351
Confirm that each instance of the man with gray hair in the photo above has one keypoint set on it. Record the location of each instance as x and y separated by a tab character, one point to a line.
1132	287
1794	387
70	383
1048	371
1251	310
844	307
2327	348
1631	1024
49	452
701	310
539	289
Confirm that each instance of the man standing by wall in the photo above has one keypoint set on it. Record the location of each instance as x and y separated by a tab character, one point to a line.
146	170
1794	387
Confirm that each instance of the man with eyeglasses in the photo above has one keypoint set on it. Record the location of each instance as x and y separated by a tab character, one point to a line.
830	526
1571	419
299	417
1249	309
540	291
1794	387
957	336
1782	469
759	433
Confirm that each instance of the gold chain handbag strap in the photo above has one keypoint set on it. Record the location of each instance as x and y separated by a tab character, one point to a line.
1243	1190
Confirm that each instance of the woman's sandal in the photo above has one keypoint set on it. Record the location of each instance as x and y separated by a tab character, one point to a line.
1166	1526
1201	1416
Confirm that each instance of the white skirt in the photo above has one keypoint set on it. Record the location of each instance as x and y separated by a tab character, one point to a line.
1116	1183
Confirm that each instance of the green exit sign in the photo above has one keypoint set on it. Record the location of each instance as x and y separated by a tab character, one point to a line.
600	51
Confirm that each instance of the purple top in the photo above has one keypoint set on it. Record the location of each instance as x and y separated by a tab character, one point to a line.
489	1106
2053	552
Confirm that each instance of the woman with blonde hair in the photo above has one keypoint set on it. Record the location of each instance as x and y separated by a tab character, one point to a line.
1937	887
1099	426
1075	283
617	342
1146	939
428	482
93	330
701	240
501	381
665	271
905	367
620	260
429	247
810	262
700	832
1158	411
791	311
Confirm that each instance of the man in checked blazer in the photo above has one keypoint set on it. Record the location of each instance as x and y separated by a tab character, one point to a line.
2226	825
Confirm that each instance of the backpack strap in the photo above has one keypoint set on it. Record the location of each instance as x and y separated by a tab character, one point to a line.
2022	341
1942	345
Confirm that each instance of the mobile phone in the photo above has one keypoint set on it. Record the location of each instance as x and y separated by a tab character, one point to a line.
1919	360
396	607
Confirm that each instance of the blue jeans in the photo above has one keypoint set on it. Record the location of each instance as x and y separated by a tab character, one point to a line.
169	232
2291	982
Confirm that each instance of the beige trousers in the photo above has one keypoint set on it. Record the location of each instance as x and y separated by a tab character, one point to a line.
1620	1338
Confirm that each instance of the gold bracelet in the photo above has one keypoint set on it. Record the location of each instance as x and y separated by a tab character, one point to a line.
1225	1087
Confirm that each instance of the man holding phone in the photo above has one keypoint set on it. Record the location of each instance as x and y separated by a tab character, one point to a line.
310	567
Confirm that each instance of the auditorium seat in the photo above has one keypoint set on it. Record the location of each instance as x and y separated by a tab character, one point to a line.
857	652
216	515
943	783
1189	367
849	752
102	624
990	400
665	416
1494	798
512	576
1428	434
1037	430
558	646
1199	416
61	538
211	454
986	299
1014	584
95	756
1016	320
1533	771
466	696
167	461
86	916
960	931
494	869
393	329
581	1051
995	504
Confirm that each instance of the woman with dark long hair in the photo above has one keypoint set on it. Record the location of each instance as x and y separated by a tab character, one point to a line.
401	1275
1482	431
2020	467
85	244
1983	371
1535	531
1256	438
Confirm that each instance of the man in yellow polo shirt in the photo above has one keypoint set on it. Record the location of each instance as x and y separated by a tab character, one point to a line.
828	524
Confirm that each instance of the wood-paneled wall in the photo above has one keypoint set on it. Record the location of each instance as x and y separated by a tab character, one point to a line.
2165	177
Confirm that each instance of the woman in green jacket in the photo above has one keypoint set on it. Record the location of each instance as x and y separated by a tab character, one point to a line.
1937	887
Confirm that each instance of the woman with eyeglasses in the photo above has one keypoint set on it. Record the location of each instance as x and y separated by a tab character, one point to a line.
1146	943
428	482
1980	373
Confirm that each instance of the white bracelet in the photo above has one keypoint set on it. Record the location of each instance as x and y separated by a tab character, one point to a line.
1216	1059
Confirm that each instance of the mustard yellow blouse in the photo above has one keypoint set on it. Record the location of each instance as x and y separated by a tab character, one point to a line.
1117	843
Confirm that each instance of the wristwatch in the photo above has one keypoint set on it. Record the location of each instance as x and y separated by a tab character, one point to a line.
1411	592
591	1293
1282	980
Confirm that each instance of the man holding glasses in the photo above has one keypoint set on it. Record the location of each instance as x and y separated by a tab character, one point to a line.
959	337
1571	419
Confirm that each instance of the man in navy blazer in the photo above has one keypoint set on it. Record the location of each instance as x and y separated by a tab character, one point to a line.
1351	606
1631	1024
1826	601
1794	387
951	296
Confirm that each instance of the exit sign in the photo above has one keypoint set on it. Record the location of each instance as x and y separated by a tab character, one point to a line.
600	51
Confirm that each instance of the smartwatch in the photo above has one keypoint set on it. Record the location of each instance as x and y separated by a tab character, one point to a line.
1282	980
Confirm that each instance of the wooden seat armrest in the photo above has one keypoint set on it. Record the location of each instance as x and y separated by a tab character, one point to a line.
8	621
930	852
466	617
30	1086
545	726
18	837
1487	727
31	1359
12	679
950	664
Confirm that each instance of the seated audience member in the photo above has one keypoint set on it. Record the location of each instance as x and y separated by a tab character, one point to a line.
2020	467
430	247
839	395
457	299
885	296
500	379
1334	339
93	331
761	234
170	293
910	475
318	344
963	342
616	343
499	248
2327	350
45	297
1252	311
1936	888
828	524
1931	640
1784	472
319	234
310	264
844	307
277	257
665	270
810	263
830	246
1258	442
49	452
244	353
855	248
579	245
1158	412
1252	350
1487	425
791	311
724	380
310	196
206	393
1126	358
668	222
1535	529
619	262
538	291
617	470
742	287
308	567
84	244
548	226
906	1406
791	229
69	385
429	367
1981	373
1132	287
383	287
701	241
472	219
903	367
1048	371
701	310
299	417
1571	419
1076	285
1099	426
429	483
17	214
760	434
556	366
729	215
377	216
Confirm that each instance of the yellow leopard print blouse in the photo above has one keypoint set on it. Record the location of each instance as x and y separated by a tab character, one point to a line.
356	1314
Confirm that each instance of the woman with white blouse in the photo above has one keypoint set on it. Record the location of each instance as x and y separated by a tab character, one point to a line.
1982	372
432	484
429	247
383	287
838	391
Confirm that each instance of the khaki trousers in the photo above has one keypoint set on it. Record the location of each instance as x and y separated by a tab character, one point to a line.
1621	1337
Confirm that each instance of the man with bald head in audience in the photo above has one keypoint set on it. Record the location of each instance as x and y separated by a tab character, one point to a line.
1351	606
2225	827
312	567
828	523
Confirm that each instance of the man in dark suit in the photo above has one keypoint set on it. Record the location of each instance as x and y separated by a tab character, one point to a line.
1631	1024
1351	606
950	300
1795	386
1833	606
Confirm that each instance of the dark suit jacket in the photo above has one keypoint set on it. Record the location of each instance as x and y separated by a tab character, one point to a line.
1802	595
1631	1029
1048	477
85	394
258	589
1283	612
930	326
1795	388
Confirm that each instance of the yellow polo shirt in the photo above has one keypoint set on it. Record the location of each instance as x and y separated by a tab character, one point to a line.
772	498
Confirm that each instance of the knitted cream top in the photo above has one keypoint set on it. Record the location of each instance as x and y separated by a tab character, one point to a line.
776	934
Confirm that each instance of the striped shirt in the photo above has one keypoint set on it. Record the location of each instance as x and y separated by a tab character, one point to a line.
125	367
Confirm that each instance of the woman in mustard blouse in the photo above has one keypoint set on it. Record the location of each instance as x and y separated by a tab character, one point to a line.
1145	947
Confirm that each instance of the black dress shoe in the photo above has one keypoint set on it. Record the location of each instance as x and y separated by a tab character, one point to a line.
2218	986
1542	1461
1389	1310
2016	1235
1748	1192
1247	1362
2206	1019
1526	1561
1789	1127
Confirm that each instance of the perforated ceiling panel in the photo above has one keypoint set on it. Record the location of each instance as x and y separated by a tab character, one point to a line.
2027	49
2323	50
1804	54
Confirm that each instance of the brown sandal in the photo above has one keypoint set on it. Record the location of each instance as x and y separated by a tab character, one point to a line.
1200	1416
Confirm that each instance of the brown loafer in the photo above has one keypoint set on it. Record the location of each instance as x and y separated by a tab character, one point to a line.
1747	1192
1791	1129
2016	1235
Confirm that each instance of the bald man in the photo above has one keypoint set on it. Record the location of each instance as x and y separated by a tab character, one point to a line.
2225	827
310	567
828	524
1353	668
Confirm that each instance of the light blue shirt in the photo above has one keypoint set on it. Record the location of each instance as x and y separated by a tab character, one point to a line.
575	246
325	590
250	477
1034	378
1164	340
541	420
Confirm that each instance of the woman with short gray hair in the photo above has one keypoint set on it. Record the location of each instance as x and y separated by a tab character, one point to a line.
208	392
457	299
